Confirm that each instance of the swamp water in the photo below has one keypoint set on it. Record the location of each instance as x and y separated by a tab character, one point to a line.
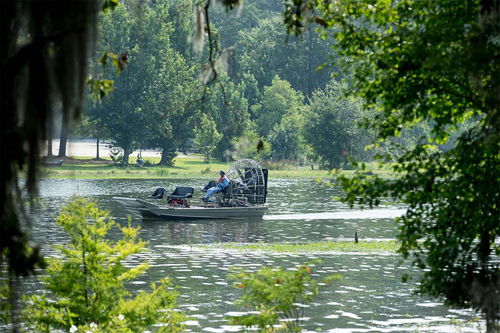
370	298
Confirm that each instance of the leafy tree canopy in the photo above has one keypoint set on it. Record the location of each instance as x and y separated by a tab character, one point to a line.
286	139
278	100
251	145
436	61
151	97
331	125
227	106
266	51
206	136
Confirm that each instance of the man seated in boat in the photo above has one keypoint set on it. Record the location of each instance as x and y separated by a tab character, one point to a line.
221	184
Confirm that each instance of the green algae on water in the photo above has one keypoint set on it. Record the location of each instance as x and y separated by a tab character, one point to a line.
372	246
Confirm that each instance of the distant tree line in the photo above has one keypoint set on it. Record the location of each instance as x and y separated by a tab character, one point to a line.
267	91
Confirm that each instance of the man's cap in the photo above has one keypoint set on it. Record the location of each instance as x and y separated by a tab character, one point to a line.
222	172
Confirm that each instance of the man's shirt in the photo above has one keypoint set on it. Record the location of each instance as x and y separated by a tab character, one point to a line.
223	182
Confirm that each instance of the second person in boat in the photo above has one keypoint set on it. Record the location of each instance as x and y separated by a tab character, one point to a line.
221	184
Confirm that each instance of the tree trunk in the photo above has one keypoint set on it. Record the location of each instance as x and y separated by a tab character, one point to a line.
97	149
484	251
125	155
49	148
49	141
64	134
50	129
166	156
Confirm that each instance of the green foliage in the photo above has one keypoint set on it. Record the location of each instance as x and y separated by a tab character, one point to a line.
247	146
331	128
5	295
206	136
162	172
226	104
86	281
311	247
278	100
99	88
155	98
276	294
151	98
267	52
230	23
206	171
286	139
394	147
435	62
249	87
173	92
109	4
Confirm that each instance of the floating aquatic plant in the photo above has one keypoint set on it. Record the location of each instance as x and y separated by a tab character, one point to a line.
373	246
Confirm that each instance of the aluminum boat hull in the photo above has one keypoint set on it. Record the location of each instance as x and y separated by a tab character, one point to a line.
150	211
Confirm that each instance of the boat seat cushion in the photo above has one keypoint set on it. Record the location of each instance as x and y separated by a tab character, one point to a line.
180	196
182	192
158	193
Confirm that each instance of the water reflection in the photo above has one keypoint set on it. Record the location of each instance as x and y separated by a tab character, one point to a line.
204	232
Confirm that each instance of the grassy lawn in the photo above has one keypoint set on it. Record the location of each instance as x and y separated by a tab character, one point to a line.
191	166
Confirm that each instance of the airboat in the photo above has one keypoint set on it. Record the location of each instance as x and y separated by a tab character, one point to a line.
243	198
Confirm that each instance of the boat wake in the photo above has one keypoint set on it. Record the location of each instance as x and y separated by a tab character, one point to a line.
347	215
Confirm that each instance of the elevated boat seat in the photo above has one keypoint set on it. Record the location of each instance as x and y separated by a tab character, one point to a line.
158	194
181	192
181	196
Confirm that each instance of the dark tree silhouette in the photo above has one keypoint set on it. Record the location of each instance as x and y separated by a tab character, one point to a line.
45	48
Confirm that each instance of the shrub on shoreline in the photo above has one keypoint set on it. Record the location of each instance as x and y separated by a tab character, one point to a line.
86	282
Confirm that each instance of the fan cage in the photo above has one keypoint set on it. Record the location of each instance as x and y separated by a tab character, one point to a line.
247	184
